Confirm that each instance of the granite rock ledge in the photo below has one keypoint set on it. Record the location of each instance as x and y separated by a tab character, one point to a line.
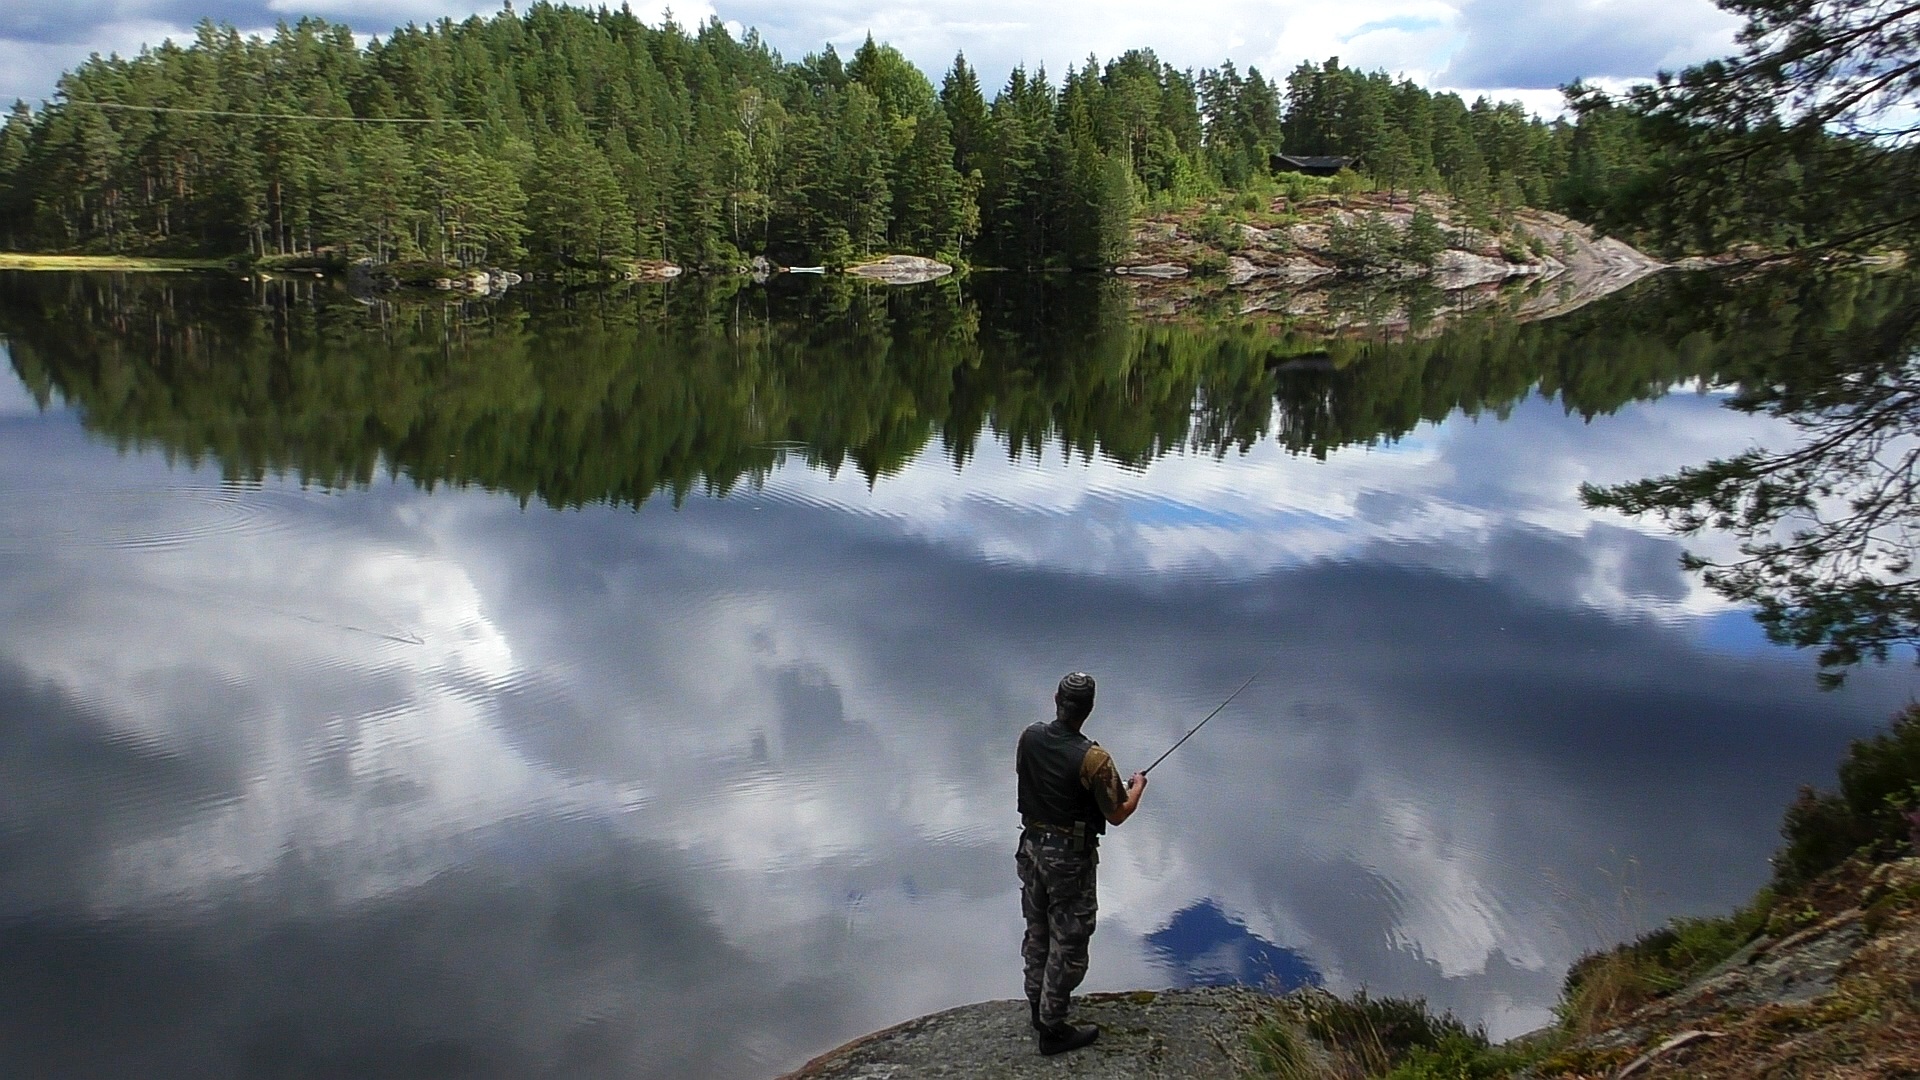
1193	1034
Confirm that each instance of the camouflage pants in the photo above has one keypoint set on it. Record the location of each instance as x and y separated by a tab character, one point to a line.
1057	897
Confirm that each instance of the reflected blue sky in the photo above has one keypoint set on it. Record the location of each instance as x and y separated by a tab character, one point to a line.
385	782
1204	946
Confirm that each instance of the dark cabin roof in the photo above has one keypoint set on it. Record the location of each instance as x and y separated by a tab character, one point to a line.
1307	162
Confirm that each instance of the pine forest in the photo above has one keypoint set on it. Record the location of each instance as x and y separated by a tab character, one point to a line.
565	137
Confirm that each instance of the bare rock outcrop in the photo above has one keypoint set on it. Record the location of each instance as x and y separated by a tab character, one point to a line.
1283	260
901	270
1196	1034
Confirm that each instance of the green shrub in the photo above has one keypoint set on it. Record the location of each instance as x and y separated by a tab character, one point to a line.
1821	830
1300	186
1879	787
1346	183
1883	770
420	272
1699	944
1363	244
1218	230
1250	202
1424	240
1388	1027
1456	1057
1207	264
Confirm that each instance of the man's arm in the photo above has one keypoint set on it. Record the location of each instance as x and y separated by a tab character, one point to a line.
1117	803
1136	787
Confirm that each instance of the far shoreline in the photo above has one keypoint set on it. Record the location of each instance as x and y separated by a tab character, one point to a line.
11	260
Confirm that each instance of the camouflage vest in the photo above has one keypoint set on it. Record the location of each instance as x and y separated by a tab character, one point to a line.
1050	790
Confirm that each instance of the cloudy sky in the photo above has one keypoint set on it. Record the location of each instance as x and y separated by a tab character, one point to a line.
1512	48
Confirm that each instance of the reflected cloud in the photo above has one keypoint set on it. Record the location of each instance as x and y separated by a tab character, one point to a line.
383	780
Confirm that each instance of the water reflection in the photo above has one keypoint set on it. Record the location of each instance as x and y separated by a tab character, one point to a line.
1823	524
605	397
1204	946
393	779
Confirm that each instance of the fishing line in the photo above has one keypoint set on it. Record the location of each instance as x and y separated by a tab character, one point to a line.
1203	723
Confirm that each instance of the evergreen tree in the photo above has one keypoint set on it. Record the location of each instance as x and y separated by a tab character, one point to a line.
573	200
967	118
582	135
15	181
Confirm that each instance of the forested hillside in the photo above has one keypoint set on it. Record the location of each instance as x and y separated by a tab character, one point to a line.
567	136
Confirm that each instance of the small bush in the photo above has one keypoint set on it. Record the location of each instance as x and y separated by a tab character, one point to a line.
1218	230
420	272
1879	789
1457	1058
1299	186
1821	831
1347	183
1362	245
1424	240
1207	264
1380	1031
1882	771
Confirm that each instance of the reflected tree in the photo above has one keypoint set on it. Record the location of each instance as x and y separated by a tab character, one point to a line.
1827	529
615	396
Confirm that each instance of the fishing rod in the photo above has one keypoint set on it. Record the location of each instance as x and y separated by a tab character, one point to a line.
1203	723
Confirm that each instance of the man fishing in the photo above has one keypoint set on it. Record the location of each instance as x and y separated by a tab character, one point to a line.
1069	793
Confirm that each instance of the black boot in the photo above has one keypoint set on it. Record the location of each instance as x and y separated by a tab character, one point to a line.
1060	1037
1033	1007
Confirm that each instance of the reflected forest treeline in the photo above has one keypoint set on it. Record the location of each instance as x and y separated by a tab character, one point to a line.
579	398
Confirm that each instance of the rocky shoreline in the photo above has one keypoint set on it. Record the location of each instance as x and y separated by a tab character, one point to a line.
1292	260
1829	990
1287	259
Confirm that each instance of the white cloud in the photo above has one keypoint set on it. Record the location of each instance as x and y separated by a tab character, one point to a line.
1530	45
1457	44
28	69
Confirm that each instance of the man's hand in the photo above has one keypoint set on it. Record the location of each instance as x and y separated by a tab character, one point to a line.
1136	786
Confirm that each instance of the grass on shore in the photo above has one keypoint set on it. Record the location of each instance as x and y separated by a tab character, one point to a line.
18	261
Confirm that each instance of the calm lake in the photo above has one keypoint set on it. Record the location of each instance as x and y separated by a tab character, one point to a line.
627	683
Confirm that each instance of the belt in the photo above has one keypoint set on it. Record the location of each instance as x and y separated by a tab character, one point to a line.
1078	831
